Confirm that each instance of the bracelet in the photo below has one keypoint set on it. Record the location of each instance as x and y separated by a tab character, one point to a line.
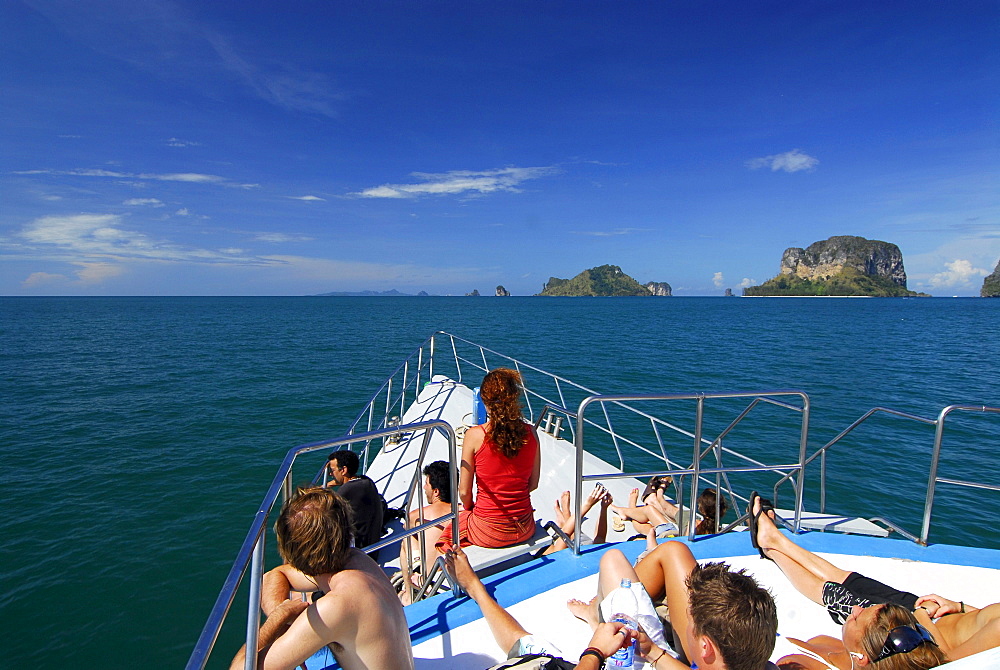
596	653
657	659
962	603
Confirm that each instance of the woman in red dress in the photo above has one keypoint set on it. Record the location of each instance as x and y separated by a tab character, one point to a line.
502	458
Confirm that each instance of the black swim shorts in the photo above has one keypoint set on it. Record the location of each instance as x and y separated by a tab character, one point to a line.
863	592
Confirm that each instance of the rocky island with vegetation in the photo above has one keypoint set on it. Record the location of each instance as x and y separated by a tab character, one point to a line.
603	281
991	285
843	265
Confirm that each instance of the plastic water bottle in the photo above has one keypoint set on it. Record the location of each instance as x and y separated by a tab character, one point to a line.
478	408
625	610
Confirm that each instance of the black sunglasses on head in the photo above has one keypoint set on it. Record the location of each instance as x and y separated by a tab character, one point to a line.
904	639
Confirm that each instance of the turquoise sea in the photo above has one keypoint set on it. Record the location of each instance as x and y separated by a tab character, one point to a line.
138	435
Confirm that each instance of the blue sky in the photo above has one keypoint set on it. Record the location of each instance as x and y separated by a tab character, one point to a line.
155	147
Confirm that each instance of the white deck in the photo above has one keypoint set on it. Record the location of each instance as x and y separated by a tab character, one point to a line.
471	646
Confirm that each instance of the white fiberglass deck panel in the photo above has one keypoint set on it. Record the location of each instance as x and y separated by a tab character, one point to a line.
536	595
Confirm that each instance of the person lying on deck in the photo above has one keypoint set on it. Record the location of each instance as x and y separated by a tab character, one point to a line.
502	458
894	629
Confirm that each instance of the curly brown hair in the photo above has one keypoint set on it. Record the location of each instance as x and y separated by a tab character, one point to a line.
501	393
891	616
314	531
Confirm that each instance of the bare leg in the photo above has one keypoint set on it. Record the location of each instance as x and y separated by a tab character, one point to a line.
805	570
647	514
601	533
505	628
664	573
564	516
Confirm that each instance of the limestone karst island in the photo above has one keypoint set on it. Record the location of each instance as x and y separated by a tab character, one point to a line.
840	266
991	285
602	281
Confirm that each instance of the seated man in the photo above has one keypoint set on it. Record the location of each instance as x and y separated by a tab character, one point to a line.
720	618
362	495
437	493
354	610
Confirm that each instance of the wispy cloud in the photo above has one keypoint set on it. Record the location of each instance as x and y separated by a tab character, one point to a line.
718	280
747	281
86	239
183	211
611	233
306	198
175	142
280	237
458	182
959	273
790	161
138	202
186	177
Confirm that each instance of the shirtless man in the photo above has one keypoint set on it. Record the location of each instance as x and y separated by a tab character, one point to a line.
437	493
958	629
354	611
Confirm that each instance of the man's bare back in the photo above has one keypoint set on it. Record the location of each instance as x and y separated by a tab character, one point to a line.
359	618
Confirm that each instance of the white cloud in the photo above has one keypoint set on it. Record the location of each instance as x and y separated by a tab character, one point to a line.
748	282
280	237
718	280
609	233
137	202
306	198
186	177
959	273
42	279
790	161
52	198
175	142
458	182
95	273
183	211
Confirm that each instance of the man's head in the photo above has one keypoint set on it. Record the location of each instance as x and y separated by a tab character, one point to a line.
438	478
343	465
735	613
314	531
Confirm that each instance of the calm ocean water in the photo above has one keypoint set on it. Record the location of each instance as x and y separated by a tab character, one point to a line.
138	435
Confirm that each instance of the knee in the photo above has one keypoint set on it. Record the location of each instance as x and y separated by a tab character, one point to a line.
613	558
673	551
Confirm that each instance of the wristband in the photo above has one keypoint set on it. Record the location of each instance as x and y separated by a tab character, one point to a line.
657	659
962	603
596	653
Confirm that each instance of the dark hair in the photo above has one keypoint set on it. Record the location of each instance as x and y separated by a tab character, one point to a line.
891	616
735	612
346	458
314	531
706	507
439	475
501	393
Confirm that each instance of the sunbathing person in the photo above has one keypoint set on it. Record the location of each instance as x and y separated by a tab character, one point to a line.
501	458
567	523
881	624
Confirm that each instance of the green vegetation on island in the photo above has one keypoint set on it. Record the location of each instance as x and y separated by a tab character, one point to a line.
605	280
843	265
991	285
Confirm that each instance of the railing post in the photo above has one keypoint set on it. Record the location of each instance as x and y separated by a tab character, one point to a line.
803	445
696	465
925	529
253	609
578	483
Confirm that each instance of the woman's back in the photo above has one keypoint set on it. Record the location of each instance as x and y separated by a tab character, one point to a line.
502	483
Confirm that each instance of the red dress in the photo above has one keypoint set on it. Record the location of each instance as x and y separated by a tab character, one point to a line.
502	514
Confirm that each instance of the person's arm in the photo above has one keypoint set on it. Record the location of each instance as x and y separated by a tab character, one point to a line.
937	606
473	440
536	469
276	625
278	582
607	639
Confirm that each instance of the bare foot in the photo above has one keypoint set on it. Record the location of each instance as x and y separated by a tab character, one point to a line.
651	539
562	508
586	612
767	532
633	498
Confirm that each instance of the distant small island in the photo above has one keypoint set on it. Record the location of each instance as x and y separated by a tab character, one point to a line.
603	281
843	265
392	293
991	285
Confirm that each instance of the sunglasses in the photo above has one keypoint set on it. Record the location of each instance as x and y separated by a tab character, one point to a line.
904	639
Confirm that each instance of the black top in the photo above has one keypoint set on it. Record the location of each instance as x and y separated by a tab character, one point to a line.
366	502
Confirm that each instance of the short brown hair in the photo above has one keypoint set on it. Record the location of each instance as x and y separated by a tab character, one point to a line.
314	531
735	612
891	616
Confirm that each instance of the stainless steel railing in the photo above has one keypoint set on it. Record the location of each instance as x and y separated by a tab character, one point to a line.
251	554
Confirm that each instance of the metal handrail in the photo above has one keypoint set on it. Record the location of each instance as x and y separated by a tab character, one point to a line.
253	546
695	470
